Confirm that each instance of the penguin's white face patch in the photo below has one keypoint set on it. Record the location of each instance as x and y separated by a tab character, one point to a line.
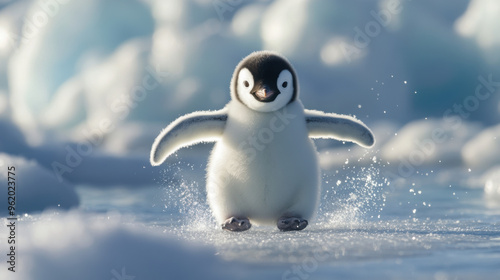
245	84
255	97
285	86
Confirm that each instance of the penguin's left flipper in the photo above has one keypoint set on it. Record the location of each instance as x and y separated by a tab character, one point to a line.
190	129
339	127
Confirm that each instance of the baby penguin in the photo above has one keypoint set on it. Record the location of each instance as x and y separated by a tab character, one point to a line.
264	166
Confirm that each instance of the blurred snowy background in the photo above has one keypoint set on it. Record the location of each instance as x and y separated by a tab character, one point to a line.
86	85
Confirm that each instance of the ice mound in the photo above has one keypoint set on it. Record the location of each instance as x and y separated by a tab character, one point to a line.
483	151
36	187
480	22
61	38
429	142
76	246
492	186
490	180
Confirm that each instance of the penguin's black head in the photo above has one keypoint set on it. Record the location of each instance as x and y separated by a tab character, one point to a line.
264	81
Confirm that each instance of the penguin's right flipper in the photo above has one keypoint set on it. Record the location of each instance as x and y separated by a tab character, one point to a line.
190	129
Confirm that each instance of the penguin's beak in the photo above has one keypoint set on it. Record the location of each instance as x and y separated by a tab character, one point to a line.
265	94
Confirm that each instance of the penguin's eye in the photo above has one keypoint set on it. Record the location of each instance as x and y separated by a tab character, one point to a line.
245	81
284	81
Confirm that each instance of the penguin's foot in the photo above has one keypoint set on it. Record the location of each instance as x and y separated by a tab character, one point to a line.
291	223
236	224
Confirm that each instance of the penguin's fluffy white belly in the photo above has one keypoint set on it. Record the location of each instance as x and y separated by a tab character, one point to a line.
265	181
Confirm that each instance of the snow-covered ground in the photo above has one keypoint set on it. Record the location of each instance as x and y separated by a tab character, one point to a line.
85	86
